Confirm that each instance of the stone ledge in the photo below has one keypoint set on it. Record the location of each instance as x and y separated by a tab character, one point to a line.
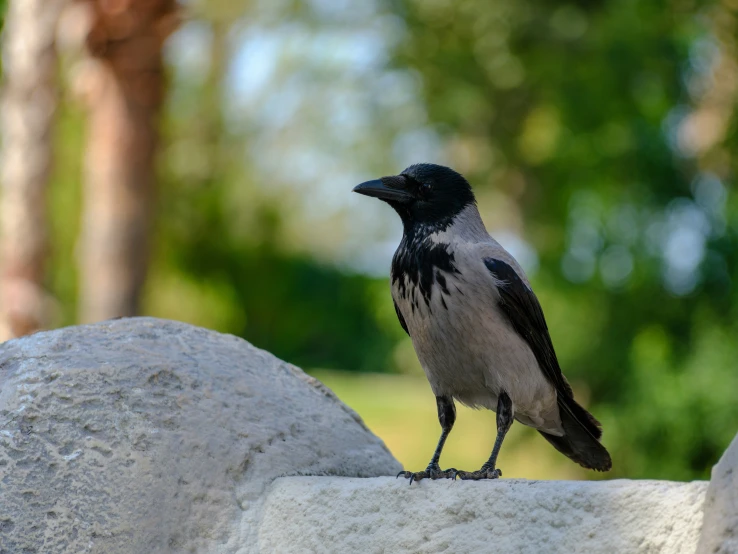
145	435
339	514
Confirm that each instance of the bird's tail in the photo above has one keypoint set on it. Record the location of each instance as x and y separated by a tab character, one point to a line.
580	441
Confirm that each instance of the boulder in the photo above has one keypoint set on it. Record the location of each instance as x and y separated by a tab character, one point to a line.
144	435
720	523
507	515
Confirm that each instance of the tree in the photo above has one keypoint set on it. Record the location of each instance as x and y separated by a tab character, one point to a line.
28	107
124	86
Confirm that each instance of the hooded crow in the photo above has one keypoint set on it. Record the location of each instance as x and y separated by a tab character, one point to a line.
475	323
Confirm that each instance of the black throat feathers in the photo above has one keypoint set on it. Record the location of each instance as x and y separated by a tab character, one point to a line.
419	262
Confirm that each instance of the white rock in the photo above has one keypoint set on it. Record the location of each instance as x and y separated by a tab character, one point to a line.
144	435
384	515
720	523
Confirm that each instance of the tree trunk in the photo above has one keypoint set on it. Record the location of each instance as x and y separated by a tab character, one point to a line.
124	99
28	106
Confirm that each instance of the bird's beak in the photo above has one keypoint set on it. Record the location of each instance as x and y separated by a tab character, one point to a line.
388	188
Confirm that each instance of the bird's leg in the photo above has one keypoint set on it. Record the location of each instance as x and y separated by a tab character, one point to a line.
505	414
446	417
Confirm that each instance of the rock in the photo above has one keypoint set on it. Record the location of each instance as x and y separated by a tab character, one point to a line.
509	515
143	435
720	523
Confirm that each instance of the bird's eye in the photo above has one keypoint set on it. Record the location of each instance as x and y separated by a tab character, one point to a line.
421	189
424	191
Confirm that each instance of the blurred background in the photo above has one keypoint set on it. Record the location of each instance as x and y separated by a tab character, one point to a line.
194	161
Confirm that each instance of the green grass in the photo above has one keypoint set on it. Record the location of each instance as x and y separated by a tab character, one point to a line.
401	410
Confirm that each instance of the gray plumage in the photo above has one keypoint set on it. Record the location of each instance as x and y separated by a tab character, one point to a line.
468	349
476	325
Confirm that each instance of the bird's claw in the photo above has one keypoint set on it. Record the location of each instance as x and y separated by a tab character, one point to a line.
480	474
429	473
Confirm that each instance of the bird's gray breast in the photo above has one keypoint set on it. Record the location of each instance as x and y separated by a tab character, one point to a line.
443	301
464	342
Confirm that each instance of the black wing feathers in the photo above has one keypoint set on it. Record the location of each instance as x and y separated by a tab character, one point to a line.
582	431
521	306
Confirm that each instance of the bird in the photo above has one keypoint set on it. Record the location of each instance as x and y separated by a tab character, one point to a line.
475	323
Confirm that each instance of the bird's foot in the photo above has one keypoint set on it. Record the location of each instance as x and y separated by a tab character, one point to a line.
431	472
484	473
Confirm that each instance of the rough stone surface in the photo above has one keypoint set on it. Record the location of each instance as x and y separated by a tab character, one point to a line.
144	435
384	515
720	523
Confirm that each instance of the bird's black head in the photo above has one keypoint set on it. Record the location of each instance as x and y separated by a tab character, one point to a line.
423	194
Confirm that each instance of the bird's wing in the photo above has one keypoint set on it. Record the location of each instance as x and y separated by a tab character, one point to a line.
399	316
521	306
